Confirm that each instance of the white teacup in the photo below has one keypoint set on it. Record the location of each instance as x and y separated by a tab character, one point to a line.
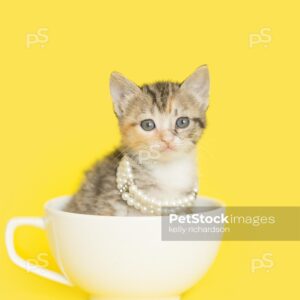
117	257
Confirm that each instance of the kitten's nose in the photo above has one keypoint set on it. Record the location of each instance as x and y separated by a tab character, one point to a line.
167	137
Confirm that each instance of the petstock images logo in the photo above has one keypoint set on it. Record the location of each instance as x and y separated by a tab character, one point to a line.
233	224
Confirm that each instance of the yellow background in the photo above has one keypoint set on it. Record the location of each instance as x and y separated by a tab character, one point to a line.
56	118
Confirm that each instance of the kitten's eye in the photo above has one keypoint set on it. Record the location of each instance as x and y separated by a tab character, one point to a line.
182	122
148	124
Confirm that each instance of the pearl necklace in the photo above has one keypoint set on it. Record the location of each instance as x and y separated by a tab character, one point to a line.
138	199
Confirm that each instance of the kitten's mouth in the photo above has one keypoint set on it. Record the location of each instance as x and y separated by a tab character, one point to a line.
168	148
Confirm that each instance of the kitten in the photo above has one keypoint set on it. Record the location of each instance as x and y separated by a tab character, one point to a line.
160	125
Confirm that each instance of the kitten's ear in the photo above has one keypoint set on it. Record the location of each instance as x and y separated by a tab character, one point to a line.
197	84
121	90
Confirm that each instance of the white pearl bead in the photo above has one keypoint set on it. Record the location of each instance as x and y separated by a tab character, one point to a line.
147	199
140	194
125	196
133	189
185	200
191	198
144	209
137	205
151	200
130	202
121	181
154	202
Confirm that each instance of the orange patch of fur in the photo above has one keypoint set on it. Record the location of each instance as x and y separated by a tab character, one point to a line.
134	139
169	104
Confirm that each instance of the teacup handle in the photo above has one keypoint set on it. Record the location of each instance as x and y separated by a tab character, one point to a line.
11	227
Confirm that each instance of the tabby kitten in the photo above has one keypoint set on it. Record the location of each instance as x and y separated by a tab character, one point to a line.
160	125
